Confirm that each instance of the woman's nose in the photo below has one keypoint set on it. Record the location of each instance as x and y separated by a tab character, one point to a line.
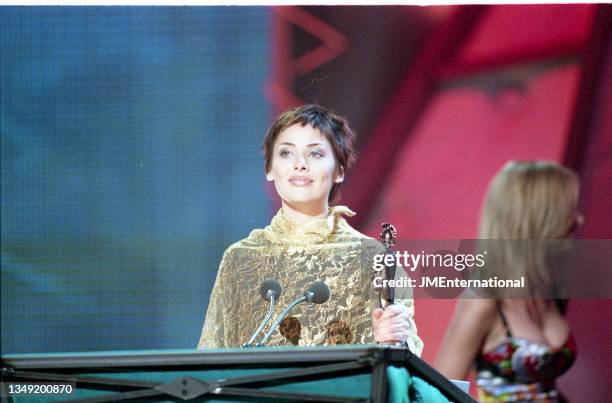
300	164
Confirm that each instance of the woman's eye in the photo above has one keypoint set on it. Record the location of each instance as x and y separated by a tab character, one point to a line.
316	154
284	153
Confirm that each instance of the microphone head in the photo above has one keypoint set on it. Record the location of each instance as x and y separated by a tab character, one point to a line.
318	292
270	287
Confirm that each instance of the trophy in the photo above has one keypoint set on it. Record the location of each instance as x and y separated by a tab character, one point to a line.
388	236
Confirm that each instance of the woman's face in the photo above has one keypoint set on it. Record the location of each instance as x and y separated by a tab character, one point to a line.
303	168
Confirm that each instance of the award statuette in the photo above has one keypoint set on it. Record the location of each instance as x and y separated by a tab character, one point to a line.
388	235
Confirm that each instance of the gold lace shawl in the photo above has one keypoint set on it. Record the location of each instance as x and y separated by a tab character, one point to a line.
296	255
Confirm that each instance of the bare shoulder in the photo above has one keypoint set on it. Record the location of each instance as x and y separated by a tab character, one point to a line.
464	336
476	308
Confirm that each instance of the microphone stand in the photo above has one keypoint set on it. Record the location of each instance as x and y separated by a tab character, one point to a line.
308	295
265	321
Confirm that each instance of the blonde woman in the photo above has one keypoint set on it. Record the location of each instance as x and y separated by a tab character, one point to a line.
519	346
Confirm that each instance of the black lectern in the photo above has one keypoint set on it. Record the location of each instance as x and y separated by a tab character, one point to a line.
354	373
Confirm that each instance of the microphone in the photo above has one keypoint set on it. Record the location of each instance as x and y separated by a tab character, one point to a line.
317	293
270	290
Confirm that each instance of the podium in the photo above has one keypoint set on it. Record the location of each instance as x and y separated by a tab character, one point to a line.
349	373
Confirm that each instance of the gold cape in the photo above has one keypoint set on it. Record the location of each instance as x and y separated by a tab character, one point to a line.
295	255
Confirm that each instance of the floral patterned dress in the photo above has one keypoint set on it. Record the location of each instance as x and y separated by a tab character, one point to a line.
521	370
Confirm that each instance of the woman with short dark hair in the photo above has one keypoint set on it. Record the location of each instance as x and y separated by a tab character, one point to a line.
307	151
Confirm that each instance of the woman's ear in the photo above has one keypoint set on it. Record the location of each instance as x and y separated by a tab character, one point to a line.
339	175
269	176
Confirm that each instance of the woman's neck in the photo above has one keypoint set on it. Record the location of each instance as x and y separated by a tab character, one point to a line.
300	213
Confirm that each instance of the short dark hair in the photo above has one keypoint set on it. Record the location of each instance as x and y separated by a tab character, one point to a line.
335	129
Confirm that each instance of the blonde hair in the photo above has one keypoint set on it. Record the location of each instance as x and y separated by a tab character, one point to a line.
530	200
534	201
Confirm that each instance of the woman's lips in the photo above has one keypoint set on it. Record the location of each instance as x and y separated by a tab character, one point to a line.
300	181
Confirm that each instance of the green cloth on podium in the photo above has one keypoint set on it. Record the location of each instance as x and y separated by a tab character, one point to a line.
398	380
404	388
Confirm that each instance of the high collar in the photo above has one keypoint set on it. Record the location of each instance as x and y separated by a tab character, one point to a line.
285	230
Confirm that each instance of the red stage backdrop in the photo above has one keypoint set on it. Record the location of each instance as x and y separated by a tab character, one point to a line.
441	98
